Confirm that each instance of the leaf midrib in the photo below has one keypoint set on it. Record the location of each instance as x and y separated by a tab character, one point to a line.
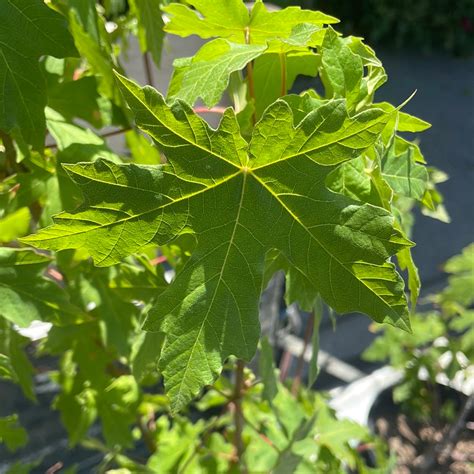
220	279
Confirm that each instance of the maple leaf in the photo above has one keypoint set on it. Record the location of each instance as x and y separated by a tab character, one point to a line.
28	30
232	20
240	200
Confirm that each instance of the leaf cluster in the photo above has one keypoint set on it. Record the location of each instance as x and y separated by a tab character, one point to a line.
150	260
441	347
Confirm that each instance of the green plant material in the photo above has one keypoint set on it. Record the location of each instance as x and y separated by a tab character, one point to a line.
317	315
15	225
145	354
80	99
98	58
230	19
341	69
150	26
406	262
14	364
267	371
231	173
206	75
405	176
11	433
187	227
268	75
26	294
432	341
142	150
461	281
29	30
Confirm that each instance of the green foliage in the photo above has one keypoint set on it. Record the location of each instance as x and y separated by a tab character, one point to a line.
442	343
29	30
11	433
318	185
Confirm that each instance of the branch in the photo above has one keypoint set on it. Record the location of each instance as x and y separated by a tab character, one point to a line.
212	110
148	69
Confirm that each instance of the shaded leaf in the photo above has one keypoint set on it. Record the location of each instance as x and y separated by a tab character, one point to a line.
150	26
26	294
14	363
29	29
12	433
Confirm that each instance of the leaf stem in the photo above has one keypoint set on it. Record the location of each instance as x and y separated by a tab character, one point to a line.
148	69
250	77
205	110
283	74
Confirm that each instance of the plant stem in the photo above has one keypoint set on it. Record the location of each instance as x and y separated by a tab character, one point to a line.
250	76
283	74
238	413
205	110
148	69
299	369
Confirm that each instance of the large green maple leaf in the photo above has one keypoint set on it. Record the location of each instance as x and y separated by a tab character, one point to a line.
240	200
231	19
28	30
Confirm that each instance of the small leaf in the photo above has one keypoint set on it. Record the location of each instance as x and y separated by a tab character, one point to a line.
150	26
406	262
404	175
206	75
99	59
12	433
268	75
341	70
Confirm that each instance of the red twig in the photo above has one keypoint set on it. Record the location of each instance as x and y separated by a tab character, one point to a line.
205	110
